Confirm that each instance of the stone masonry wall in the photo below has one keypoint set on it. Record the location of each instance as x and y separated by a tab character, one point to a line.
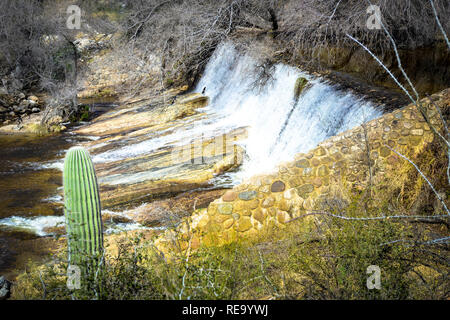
338	165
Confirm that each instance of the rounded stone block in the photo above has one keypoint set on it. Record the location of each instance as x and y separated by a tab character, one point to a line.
229	196
391	143
225	208
283	217
228	223
315	162
259	215
253	204
285	205
407	124
304	190
247	195
338	156
278	186
242	206
289	194
303	163
244	224
295	181
268	202
394	135
203	222
323	171
221	218
320	152
326	160
308	172
317	182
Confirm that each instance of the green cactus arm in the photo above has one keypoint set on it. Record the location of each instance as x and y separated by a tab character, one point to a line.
82	205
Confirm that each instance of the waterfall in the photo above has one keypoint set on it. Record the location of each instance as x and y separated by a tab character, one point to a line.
279	125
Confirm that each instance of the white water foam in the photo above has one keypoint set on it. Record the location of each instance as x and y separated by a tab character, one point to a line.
279	125
36	225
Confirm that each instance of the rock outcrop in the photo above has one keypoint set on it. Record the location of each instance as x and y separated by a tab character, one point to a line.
5	287
166	171
16	105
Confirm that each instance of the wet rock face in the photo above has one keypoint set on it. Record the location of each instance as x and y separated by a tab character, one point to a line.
337	165
300	85
428	66
5	287
128	179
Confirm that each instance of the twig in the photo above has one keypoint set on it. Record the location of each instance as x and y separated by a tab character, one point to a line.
434	241
367	218
334	11
44	294
188	251
264	274
439	23
447	132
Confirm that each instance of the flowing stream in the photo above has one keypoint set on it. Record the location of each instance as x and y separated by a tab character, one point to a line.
278	125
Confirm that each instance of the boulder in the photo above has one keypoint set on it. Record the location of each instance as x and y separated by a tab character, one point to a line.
21	108
5	288
34	99
85	45
55	120
300	84
31	103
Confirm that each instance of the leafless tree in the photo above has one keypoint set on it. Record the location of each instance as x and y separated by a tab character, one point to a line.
38	49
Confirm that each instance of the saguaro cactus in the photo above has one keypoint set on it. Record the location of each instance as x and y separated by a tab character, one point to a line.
82	207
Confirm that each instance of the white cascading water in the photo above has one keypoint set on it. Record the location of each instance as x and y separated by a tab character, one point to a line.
279	126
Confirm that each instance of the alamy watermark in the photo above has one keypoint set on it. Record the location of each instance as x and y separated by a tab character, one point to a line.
73	21
374	280
207	150
374	20
73	277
